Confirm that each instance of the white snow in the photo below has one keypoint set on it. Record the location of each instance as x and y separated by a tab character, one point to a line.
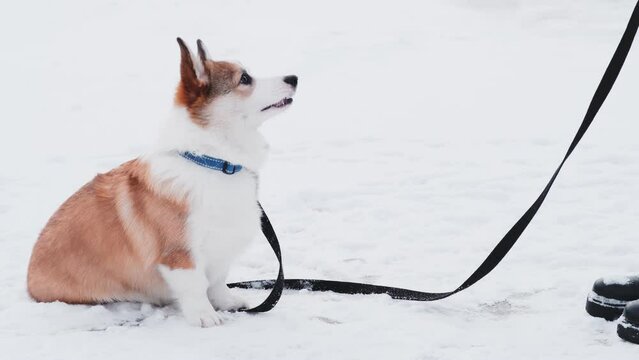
419	134
616	280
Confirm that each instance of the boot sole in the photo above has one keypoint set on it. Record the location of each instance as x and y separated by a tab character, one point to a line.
628	331
603	307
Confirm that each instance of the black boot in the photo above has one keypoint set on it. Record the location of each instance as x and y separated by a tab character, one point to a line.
628	327
609	297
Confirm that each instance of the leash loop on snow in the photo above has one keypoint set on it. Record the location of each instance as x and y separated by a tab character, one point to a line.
496	255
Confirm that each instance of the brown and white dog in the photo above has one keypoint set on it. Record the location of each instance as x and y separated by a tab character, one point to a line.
160	228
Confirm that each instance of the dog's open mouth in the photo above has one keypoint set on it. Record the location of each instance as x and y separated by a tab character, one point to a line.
280	104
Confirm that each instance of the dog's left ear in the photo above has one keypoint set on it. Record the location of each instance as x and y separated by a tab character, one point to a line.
194	80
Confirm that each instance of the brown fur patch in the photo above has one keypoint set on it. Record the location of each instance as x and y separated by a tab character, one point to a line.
178	259
106	241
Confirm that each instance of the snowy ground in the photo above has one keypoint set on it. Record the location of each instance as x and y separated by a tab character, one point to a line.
419	134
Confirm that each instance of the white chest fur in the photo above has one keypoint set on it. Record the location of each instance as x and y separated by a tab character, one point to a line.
223	211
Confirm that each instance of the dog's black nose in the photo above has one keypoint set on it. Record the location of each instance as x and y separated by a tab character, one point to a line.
291	80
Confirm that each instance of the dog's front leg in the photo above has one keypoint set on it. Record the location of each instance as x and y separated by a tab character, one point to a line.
189	287
220	295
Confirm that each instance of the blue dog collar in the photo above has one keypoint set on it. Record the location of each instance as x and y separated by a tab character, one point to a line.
212	163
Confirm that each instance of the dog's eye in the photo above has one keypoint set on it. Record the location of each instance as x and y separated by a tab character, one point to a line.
246	79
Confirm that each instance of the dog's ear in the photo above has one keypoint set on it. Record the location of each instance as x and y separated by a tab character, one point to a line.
202	52
193	79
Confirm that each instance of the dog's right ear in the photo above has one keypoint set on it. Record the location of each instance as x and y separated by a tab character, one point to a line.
202	52
193	79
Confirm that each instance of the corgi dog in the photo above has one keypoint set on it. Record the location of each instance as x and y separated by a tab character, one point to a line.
167	226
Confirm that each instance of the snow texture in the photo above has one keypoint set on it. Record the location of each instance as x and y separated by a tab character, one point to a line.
616	280
420	132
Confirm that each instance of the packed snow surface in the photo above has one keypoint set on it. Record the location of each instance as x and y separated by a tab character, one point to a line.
420	132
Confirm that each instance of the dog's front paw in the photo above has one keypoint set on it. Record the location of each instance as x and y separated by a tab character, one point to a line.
204	317
229	302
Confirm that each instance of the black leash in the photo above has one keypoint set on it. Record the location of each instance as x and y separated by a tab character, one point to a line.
498	253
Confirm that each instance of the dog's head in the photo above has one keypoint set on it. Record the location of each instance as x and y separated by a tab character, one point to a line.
223	94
